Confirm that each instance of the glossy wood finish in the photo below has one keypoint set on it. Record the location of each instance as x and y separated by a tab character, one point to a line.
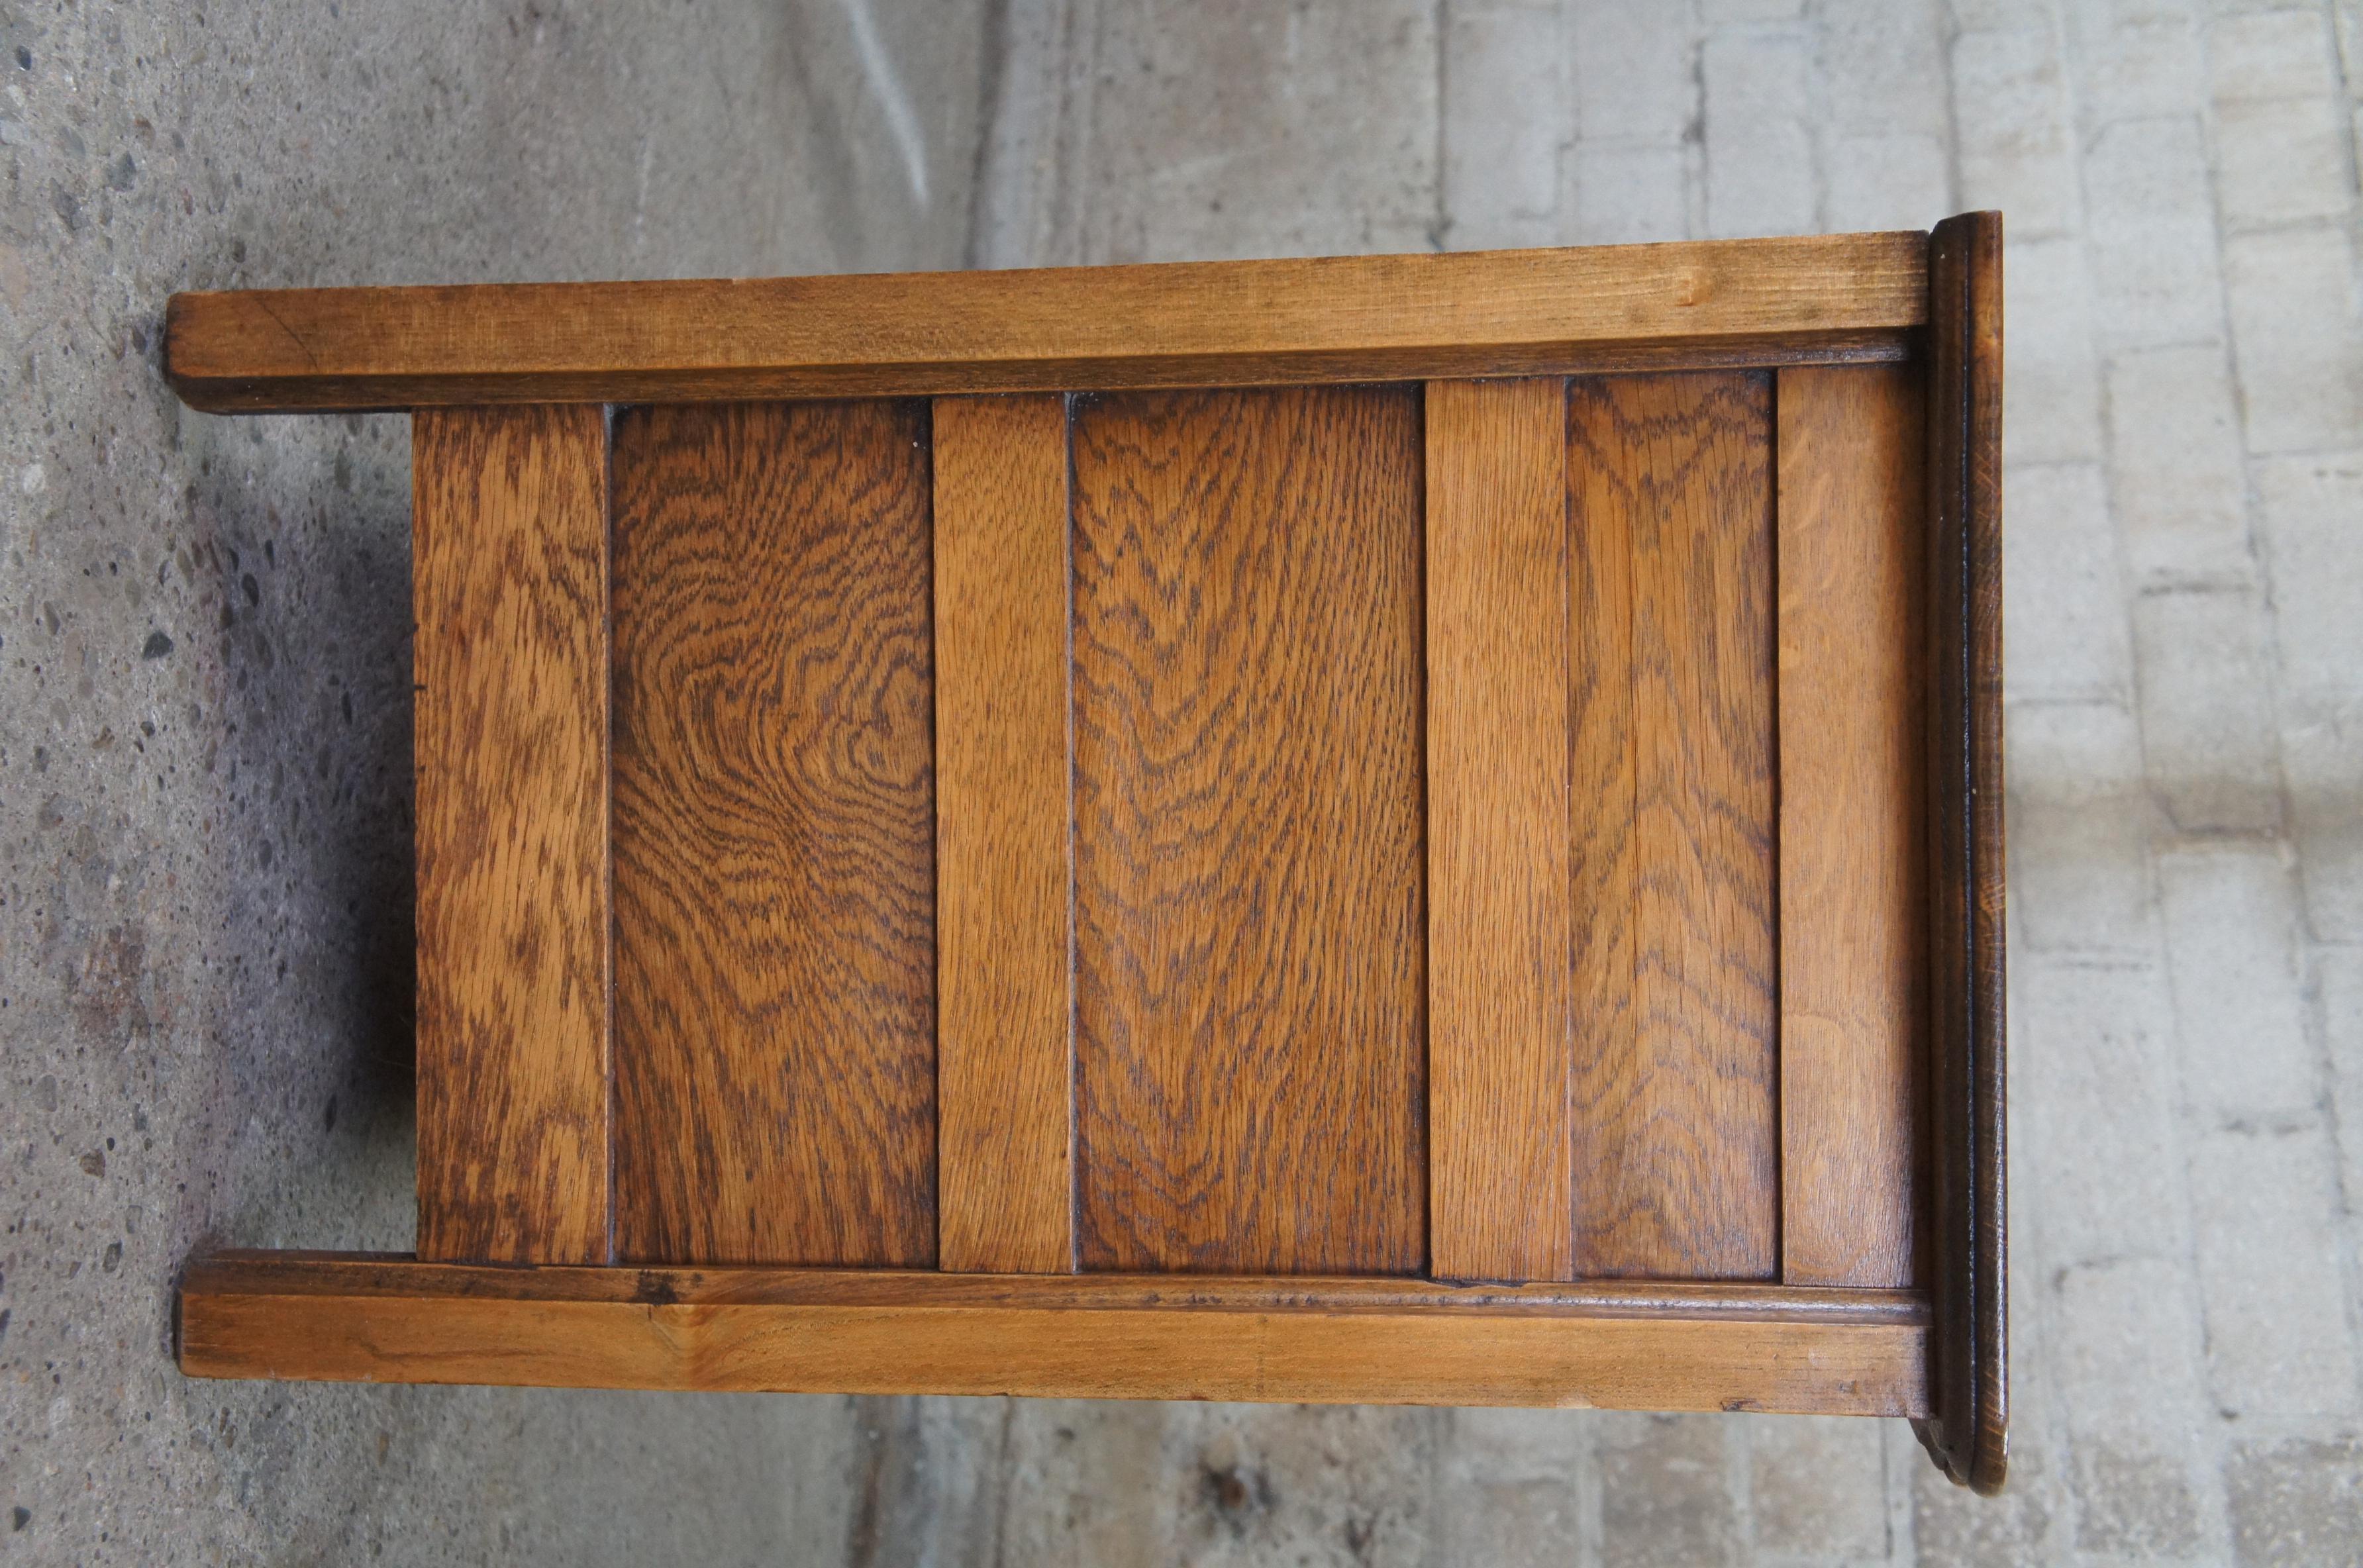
1969	1383
1196	324
509	590
1501	1146
1004	1036
774	829
1671	619
1853	814
360	1318
1249	918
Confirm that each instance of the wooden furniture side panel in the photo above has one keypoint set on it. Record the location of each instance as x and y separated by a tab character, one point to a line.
1670	575
1968	1213
774	835
1284	1339
1853	855
1249	917
509	592
1005	1070
1500	1172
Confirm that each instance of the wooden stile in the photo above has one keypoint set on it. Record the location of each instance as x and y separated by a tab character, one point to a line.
1005	933
509	584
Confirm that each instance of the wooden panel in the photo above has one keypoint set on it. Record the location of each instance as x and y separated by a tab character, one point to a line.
509	590
1853	830
1328	1341
1500	1164
1967	1206
1005	1034
1249	981
1670	577
1236	323
774	824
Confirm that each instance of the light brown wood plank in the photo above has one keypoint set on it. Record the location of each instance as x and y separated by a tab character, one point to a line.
509	590
1231	323
773	838
1499	1169
1250	910
1671	573
362	1320
1853	827
1005	1070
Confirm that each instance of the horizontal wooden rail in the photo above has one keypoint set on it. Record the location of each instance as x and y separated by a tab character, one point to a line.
1630	1346
1080	329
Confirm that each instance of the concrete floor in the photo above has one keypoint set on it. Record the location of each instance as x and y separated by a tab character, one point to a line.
204	736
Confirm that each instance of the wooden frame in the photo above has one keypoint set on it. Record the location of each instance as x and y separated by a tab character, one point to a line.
1850	1256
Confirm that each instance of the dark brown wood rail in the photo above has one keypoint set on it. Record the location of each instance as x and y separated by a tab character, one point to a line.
1401	829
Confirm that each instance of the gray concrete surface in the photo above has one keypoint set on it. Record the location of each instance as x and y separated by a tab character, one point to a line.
205	914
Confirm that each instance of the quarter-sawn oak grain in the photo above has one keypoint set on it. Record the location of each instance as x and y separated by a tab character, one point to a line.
1249	983
1192	324
1672	616
774	832
509	592
1853	846
1005	1068
1500	1170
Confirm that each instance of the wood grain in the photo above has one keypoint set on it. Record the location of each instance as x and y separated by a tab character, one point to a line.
509	590
377	1320
774	835
1968	1203
1501	1150
1005	1034
1232	323
1249	908
1853	846
1670	577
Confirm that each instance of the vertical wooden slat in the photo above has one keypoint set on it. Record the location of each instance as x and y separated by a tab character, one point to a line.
1673	892
1853	850
774	864
1499	1169
1249	917
1005	1068
1967	1209
510	593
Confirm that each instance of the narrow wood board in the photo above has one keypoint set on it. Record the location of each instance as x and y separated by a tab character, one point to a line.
509	593
1854	910
774	829
1249	913
360	1320
1005	1034
1967	1205
1672	618
1500	1149
1231	323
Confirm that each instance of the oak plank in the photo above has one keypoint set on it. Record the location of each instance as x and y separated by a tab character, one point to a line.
1501	1150
1968	1212
774	824
1672	574
1852	835
1005	1068
509	590
1229	323
1250	908
360	1320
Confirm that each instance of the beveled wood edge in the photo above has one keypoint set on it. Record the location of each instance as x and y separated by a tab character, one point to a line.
1808	299
360	1318
1967	1430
